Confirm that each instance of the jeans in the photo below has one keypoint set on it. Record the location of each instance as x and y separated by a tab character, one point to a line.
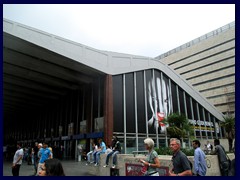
94	156
35	162
97	156
114	156
89	156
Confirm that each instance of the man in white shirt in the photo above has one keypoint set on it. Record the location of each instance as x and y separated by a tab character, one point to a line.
17	160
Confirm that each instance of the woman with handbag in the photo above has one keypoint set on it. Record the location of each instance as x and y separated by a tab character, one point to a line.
152	162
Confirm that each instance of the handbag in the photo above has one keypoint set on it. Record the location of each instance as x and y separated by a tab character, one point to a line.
144	170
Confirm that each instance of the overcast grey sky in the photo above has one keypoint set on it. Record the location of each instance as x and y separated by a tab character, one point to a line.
140	29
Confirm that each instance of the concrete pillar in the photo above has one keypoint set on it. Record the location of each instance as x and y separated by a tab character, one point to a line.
108	110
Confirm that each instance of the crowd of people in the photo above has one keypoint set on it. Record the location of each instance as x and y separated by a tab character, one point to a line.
101	148
45	163
181	165
42	159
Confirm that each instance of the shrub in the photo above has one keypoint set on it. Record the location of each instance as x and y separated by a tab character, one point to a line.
167	151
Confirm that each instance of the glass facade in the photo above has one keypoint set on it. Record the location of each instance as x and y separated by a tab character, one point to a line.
142	99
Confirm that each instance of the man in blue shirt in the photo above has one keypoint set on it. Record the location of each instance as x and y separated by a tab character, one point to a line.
101	150
200	165
44	154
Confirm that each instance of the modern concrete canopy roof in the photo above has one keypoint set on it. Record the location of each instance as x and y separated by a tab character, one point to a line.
36	60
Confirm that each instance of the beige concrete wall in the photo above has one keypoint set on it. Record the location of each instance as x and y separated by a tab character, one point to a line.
206	69
210	54
219	91
201	46
204	57
216	83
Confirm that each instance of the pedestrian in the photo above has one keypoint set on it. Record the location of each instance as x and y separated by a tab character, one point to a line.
29	155
61	154
25	156
17	160
44	154
101	150
200	165
152	162
232	168
32	155
181	164
94	149
56	151
222	157
51	152
36	149
51	167
108	150
116	149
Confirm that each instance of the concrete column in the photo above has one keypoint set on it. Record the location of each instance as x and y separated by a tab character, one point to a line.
108	110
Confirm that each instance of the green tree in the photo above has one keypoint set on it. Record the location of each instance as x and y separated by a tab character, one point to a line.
179	126
229	126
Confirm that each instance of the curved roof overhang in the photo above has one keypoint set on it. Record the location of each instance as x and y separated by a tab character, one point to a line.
36	57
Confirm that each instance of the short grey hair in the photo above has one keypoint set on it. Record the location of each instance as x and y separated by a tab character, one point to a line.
176	140
149	142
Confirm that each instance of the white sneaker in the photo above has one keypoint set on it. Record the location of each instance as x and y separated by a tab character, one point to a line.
113	166
96	164
106	165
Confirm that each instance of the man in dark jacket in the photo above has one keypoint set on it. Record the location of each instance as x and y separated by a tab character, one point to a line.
116	149
222	157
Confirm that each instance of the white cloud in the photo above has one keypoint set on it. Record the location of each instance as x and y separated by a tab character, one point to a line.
148	30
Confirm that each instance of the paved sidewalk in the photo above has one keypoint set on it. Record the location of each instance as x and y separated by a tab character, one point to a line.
71	168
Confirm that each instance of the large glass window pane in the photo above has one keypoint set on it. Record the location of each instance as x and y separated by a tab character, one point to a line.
189	109
141	146
214	127
118	103
203	128
181	100
130	108
194	103
209	124
131	145
80	110
197	128
95	99
174	97
102	97
140	102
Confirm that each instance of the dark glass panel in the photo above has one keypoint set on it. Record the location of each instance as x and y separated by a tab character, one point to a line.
140	102
174	97
130	108
118	103
189	109
181	100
